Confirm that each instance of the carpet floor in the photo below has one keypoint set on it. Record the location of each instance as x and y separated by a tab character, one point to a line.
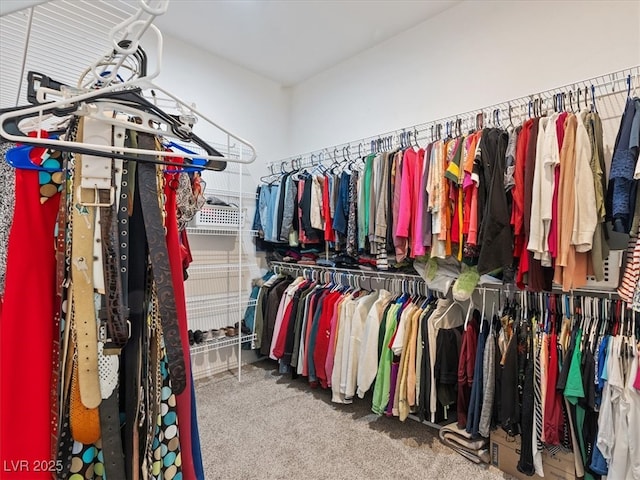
270	427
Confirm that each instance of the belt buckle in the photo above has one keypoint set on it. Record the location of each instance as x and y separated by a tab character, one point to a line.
96	197
111	349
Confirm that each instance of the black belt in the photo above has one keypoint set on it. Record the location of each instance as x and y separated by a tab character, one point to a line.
61	273
123	227
111	438
116	312
130	394
156	238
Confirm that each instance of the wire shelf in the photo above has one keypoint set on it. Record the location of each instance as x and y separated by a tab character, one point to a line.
217	343
211	305
226	231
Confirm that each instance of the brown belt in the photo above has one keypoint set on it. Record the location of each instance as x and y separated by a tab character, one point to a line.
86	330
156	238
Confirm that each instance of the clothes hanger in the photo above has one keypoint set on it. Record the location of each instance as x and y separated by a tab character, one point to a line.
480	121
586	97
21	157
415	137
266	178
509	109
632	86
113	64
149	118
74	99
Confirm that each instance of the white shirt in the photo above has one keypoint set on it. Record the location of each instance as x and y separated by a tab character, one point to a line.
365	304
633	417
368	354
543	181
585	216
347	307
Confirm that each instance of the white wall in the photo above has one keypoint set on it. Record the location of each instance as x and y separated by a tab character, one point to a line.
247	104
473	55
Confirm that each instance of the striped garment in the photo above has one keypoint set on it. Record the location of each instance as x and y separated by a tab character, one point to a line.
629	286
537	406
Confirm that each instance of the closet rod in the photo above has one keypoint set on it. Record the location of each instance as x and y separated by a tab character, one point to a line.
383	275
604	86
373	275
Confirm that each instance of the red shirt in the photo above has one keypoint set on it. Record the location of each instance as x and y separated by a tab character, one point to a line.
324	334
329	234
553	420
553	228
278	349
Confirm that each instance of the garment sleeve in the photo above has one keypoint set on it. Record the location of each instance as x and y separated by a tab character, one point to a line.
406	200
536	243
282	308
606	434
287	213
357	326
368	354
382	199
586	217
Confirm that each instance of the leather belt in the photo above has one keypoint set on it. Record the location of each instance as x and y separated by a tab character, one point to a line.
61	275
65	439
132	353
123	182
116	312
83	218
85	422
155	232
111	438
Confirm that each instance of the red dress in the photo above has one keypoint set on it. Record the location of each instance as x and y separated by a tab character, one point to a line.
26	335
183	400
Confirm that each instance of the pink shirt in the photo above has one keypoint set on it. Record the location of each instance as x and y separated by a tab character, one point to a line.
331	351
417	247
407	196
400	243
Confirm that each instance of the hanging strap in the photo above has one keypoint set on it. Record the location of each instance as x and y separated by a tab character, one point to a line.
63	251
116	311
82	292
154	227
111	438
84	421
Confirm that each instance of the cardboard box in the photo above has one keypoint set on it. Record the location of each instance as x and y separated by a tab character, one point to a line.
505	454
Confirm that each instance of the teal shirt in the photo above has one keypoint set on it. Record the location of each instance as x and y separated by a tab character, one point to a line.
363	214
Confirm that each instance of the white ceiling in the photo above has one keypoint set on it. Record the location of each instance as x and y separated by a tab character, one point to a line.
292	40
287	41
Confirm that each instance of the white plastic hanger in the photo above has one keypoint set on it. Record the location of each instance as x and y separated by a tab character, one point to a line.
137	28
